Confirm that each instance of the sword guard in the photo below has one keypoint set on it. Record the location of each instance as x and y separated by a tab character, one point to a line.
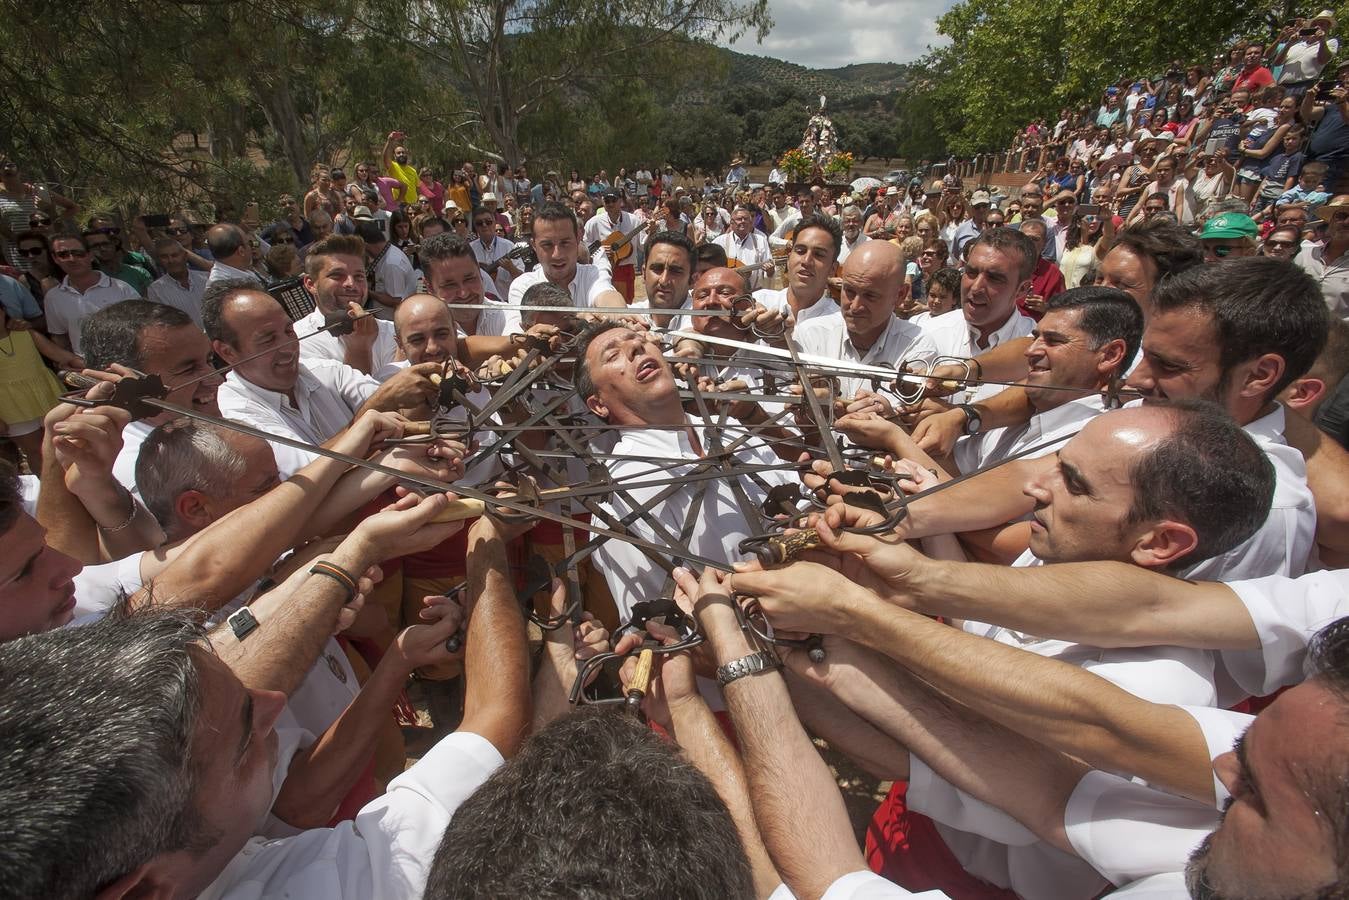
129	394
338	323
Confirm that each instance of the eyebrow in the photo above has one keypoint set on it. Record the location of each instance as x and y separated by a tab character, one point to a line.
1073	474
247	737
1247	776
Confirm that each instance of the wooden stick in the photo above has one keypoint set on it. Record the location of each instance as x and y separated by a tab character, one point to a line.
459	510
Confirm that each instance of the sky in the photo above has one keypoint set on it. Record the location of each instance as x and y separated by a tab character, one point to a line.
824	34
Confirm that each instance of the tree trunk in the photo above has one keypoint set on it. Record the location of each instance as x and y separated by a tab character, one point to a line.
273	94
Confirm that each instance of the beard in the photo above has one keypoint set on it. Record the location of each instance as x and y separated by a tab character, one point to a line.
1198	883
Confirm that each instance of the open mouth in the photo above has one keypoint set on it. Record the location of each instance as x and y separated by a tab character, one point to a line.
647	369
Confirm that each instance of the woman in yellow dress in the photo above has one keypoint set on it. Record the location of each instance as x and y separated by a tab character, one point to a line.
28	390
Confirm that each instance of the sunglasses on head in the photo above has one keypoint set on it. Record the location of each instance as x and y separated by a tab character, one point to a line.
79	253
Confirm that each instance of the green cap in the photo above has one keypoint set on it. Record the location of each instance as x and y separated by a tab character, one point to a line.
1230	225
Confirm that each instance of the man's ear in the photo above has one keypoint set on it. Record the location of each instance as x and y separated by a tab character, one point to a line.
225	352
1303	394
1164	544
597	406
193	509
145	882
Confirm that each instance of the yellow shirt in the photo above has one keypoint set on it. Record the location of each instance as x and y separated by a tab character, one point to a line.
407	177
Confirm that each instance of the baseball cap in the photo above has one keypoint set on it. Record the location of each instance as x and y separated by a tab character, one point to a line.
610	197
1112	90
1230	225
979	198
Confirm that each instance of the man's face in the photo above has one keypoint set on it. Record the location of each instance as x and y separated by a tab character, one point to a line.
180	355
1136	275
485	227
1031	206
340	281
1180	358
613	209
995	219
457	281
236	740
260	475
807	204
1282	243
667	276
9	172
629	376
1241	99
555	245
1293	217
321	224
104	249
427	334
810	262
741	222
173	260
1061	356
1252	56
1275	838
989	287
717	289
1081	504
779	199
1037	237
1065	208
71	256
179	231
37	592
869	293
1153	206
852	226
262	327
585	210
400	155
286	204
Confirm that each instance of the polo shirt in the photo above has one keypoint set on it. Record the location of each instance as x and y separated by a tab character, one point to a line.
586	287
825	307
331	347
67	307
168	290
1333	276
1060	424
220	271
394	276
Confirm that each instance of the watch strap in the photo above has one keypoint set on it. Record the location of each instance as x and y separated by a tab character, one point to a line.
750	664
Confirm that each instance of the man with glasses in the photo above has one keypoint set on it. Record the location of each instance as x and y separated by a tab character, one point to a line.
1283	243
105	245
491	251
181	231
852	232
980	202
613	218
748	246
1328	263
83	291
292	220
1228	235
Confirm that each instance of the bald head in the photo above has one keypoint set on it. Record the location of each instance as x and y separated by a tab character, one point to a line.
873	285
425	330
229	244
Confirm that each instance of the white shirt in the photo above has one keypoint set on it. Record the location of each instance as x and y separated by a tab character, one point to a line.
327	395
954	337
1299	63
898	344
393	276
1286	613
601	226
589	282
492	322
848	247
167	290
67	307
220	271
124	467
1333	276
784	220
385	853
488	254
979	450
751	250
719	526
825	307
331	347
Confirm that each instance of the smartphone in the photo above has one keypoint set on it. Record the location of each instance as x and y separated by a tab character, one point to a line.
1214	146
1089	210
1325	86
156	220
1306	32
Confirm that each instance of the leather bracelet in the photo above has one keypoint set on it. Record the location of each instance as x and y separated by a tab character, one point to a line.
978	368
338	574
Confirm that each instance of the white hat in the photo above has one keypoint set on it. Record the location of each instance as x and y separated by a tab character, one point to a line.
449	205
489	197
979	197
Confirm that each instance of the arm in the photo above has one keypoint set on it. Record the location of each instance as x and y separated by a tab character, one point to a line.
795	800
64	359
1328	478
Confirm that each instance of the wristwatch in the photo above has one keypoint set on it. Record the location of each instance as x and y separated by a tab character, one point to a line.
974	423
753	664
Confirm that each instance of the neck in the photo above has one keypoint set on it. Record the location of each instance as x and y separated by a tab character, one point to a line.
799	301
85	279
180	277
866	341
988	330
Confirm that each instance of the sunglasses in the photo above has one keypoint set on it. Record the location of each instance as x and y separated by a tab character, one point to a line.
1283	245
39	222
108	229
70	254
31	251
1222	251
458	221
283	240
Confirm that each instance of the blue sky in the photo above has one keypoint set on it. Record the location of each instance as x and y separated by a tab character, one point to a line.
829	33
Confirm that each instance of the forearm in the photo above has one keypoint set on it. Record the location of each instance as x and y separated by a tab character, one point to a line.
873	750
70	527
991	498
359	355
496	667
551	688
705	744
800	812
321	776
293	626
1058	704
1005	362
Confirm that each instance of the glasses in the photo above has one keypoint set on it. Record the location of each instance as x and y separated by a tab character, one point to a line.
283	240
1339	215
1068	202
1222	251
31	251
100	245
458	221
108	229
39	222
175	231
1281	245
70	254
483	222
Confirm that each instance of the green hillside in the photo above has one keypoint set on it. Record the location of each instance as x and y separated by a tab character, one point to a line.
843	85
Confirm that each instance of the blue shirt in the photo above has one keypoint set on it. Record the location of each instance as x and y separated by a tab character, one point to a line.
17	299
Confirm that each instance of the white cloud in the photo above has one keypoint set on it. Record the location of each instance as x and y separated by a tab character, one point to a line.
830	33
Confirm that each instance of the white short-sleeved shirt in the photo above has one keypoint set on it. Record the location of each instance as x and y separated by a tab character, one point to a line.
1299	63
394	276
167	290
1286	613
1332	275
867	886
589	282
221	271
385	853
492	322
900	343
776	300
717	531
954	337
327	395
67	307
751	250
979	450
332	348
487	254
845	249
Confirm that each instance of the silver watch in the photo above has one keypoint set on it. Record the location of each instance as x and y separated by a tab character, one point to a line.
753	664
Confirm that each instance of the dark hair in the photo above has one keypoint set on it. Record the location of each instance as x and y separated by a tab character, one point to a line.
709	252
112	335
544	826
1171	248
948	278
443	246
1207	473
585	385
11	496
674	239
1259	305
828	223
1107	315
100	751
553	211
543	293
332	245
1158	195
1328	656
1008	240
369	231
224	241
213	307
